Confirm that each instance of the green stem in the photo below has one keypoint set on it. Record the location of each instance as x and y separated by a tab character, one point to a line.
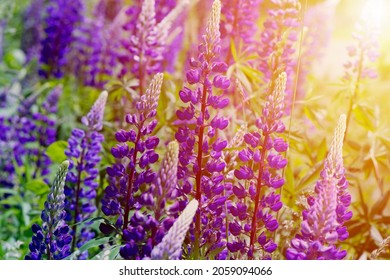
78	187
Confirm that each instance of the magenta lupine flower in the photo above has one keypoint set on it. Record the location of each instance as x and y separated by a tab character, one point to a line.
364	51
200	157
84	147
132	171
322	228
276	51
362	55
259	176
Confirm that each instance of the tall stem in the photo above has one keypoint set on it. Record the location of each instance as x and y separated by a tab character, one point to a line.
257	197
199	171
50	244
78	187
130	181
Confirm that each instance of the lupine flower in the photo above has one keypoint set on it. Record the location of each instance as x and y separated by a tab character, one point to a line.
84	147
148	41
27	134
197	135
32	29
259	177
161	201
230	157
52	240
46	131
322	228
87	52
170	246
164	189
277	42
62	17
132	171
362	55
365	50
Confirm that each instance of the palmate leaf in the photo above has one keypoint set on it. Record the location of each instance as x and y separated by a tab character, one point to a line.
170	246
56	151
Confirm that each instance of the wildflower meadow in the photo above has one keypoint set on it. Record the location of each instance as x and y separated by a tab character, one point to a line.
194	129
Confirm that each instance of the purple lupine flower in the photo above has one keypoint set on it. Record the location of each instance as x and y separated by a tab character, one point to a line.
27	127
162	195
148	41
161	201
197	135
46	131
164	189
257	202
7	169
322	228
132	171
52	240
62	17
96	45
84	147
32	29
87	51
278	40
230	157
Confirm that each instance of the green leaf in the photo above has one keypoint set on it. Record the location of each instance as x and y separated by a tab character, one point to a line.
310	177
114	252
363	115
94	243
26	208
37	186
12	200
15	59
56	151
7	191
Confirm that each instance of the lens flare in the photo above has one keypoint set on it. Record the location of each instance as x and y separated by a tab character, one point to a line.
373	13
